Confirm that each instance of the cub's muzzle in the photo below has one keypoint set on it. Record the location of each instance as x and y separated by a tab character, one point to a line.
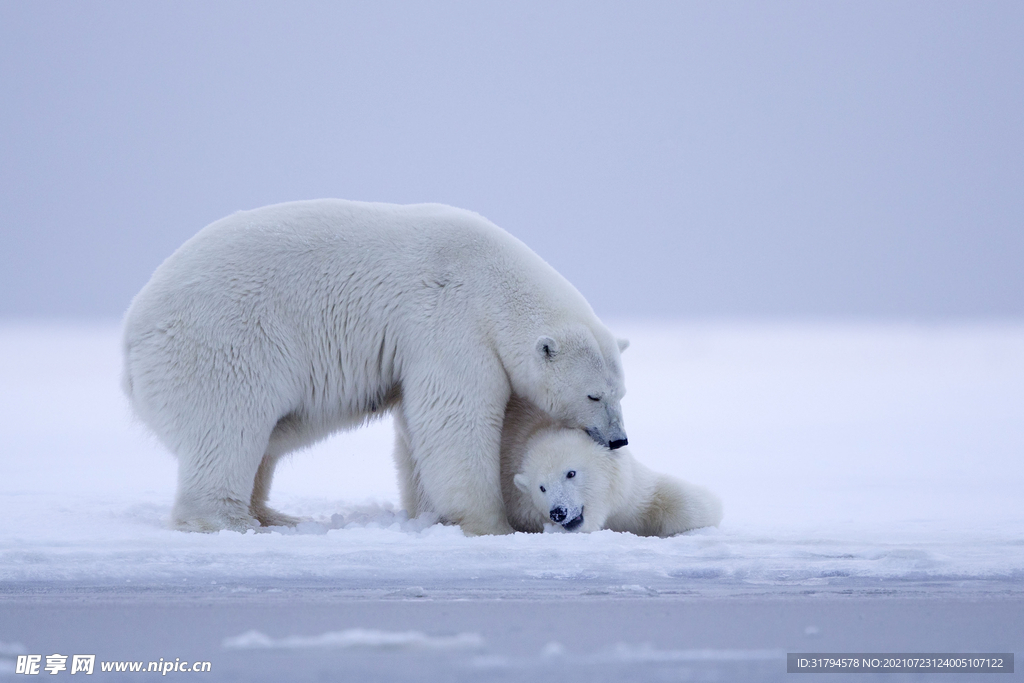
573	523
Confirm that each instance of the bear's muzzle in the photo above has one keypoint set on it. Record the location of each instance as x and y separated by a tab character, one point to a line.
559	514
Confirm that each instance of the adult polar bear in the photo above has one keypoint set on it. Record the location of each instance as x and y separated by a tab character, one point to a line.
272	328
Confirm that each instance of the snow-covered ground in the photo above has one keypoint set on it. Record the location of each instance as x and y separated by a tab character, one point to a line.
843	452
871	476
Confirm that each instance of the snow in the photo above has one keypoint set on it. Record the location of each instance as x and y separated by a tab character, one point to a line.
415	640
356	637
845	453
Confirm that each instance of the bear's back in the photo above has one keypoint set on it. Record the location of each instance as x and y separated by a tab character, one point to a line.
292	262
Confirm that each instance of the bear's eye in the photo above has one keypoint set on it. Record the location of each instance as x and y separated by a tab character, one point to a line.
570	474
543	490
593	398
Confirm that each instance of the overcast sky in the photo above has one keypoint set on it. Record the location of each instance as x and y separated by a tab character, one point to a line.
673	160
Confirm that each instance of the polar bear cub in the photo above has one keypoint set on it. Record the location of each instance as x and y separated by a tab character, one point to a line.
565	478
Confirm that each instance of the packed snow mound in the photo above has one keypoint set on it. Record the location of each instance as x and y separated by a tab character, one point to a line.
356	637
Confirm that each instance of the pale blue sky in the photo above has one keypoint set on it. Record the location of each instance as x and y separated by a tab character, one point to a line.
672	159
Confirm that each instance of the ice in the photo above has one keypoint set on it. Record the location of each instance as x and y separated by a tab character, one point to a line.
357	637
844	453
646	653
623	653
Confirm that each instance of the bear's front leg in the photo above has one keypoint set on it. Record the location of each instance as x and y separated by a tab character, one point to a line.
455	452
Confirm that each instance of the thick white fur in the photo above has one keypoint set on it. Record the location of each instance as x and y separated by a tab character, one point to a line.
611	489
272	328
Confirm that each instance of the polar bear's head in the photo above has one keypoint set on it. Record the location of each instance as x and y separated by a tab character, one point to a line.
578	381
568	478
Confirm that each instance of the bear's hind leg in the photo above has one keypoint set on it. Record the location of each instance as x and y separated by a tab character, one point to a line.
258	508
205	503
408	482
215	484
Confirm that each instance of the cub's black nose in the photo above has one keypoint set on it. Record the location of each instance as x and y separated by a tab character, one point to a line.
618	443
558	515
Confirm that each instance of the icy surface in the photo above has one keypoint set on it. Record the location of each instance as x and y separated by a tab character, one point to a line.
843	453
356	637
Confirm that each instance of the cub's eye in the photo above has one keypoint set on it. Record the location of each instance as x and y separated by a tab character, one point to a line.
593	398
570	474
543	490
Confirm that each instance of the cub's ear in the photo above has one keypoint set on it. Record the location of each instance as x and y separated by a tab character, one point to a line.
521	483
623	344
547	347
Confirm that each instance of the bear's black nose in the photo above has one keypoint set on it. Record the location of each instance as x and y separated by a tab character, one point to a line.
618	443
558	515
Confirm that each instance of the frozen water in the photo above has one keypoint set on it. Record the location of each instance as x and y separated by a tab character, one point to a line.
356	637
844	453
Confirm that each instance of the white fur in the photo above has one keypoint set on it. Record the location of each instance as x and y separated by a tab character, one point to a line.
272	328
610	489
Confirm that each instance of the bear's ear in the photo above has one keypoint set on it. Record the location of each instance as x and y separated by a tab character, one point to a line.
547	347
521	483
623	344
